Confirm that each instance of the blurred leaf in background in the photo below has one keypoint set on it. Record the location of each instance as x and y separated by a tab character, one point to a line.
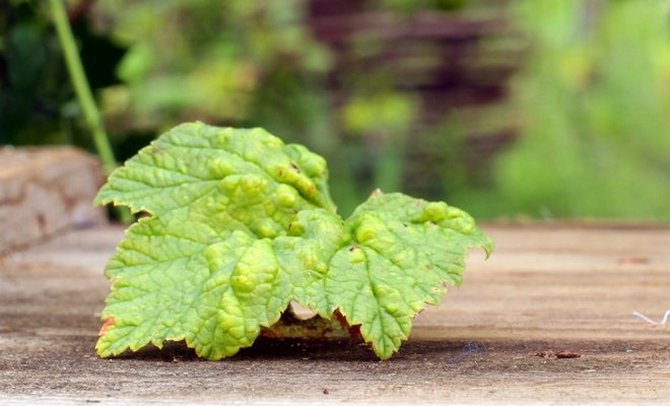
31	93
595	100
37	103
222	62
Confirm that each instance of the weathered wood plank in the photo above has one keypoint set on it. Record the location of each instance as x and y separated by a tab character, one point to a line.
45	190
547	290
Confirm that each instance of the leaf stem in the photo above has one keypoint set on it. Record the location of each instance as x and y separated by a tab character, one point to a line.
290	326
83	91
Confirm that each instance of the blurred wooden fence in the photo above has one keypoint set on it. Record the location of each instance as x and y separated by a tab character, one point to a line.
459	63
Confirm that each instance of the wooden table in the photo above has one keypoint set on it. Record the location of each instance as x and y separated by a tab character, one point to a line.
549	318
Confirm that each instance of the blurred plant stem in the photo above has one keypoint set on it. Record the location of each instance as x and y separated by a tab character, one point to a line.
83	92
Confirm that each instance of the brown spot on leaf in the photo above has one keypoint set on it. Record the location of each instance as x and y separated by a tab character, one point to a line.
109	323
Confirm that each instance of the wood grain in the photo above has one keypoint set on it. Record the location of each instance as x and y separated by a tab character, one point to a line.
547	319
45	190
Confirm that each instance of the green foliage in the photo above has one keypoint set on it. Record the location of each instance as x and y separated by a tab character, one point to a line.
37	103
29	77
224	53
595	99
241	224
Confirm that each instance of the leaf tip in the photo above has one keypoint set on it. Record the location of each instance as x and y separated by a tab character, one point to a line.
488	246
100	198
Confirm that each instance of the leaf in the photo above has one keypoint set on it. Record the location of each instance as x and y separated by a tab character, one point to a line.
203	267
241	224
189	162
401	253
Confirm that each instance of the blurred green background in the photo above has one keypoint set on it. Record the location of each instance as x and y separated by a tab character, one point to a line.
514	109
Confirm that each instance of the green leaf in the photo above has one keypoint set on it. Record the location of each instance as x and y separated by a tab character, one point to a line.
189	162
241	224
401	253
